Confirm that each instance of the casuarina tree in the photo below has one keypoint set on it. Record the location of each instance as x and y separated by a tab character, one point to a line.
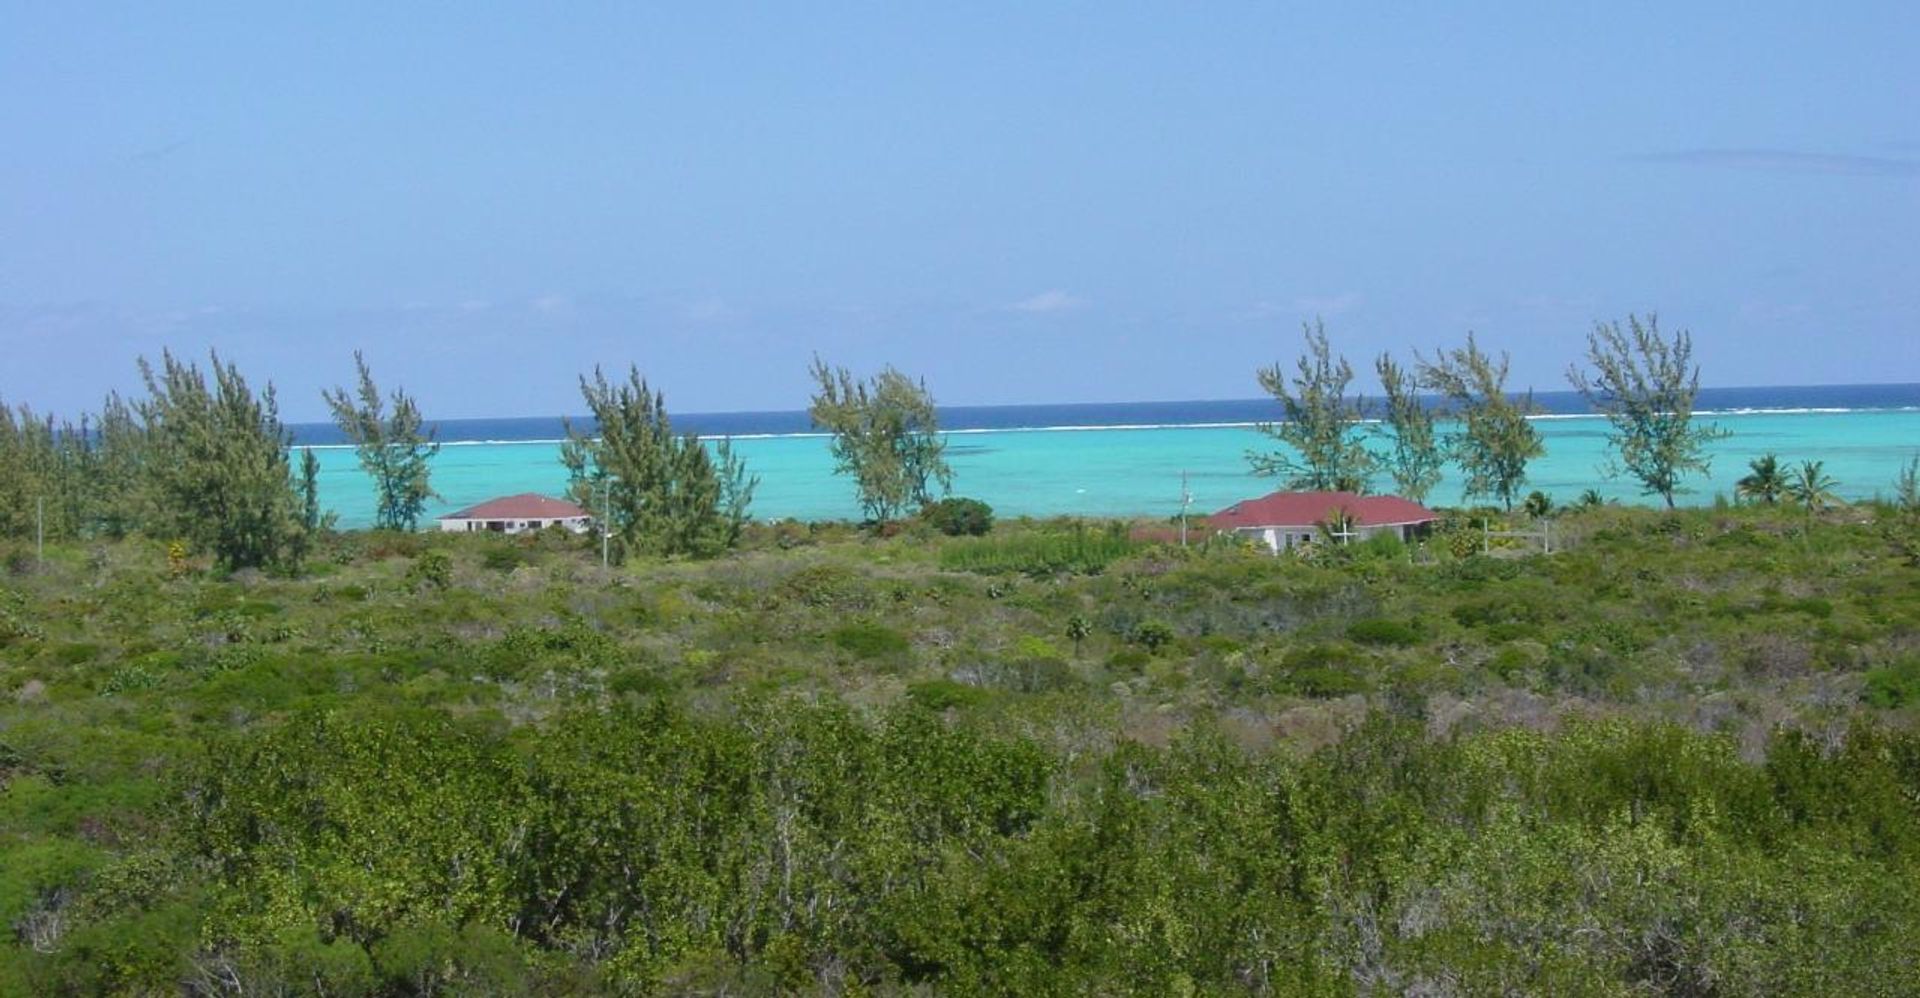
395	448
1413	455
1320	425
1494	440
218	474
1645	384
886	435
655	491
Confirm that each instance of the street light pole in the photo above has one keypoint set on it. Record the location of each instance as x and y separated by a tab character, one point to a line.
1186	500
606	517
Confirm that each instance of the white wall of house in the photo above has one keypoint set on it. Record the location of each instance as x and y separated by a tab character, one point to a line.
577	524
1278	539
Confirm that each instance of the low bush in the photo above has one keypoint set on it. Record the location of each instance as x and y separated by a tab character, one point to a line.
1894	685
1080	550
944	694
869	640
431	570
504	559
1152	635
1382	631
958	517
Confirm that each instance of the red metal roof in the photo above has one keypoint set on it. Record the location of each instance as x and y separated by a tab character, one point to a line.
525	506
1306	509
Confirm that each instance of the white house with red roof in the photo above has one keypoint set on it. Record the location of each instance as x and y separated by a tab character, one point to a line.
518	514
1285	520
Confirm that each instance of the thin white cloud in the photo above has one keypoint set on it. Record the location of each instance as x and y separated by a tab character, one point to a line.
710	310
1326	305
552	304
1054	300
1262	310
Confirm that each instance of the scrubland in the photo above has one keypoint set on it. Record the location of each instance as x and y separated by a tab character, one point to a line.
1677	756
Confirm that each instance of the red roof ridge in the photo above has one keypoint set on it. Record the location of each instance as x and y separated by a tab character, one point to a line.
1306	509
523	506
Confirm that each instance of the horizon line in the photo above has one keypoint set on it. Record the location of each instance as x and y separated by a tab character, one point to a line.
693	414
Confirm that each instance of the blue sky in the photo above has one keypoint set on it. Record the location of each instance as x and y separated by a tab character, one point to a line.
1077	203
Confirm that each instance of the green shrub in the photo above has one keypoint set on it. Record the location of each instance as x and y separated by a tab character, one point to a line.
827	587
1153	635
1318	681
1895	685
435	959
1383	546
431	570
1516	659
75	654
1512	630
1382	631
943	694
1321	670
1046	552
958	517
639	682
868	640
504	559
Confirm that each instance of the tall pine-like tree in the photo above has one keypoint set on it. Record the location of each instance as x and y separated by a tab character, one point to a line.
1494	440
218	472
1320	424
886	435
655	491
1645	384
1413	455
395	448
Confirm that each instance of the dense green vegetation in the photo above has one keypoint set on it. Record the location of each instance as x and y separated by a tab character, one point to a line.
205	461
1677	756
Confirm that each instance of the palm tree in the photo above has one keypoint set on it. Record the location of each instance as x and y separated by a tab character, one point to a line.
1766	484
1812	488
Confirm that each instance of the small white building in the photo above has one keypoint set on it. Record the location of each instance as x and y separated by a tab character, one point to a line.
518	514
1286	520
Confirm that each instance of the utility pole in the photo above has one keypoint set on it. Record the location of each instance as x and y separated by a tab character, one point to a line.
1186	500
606	516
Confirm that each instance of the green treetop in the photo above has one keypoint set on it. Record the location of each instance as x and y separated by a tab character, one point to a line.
394	449
1319	423
1495	441
218	473
655	491
1645	384
886	434
1414	457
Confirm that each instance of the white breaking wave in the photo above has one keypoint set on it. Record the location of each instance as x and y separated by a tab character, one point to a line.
1136	427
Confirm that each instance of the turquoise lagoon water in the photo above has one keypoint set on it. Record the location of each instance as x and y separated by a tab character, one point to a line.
1135	471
